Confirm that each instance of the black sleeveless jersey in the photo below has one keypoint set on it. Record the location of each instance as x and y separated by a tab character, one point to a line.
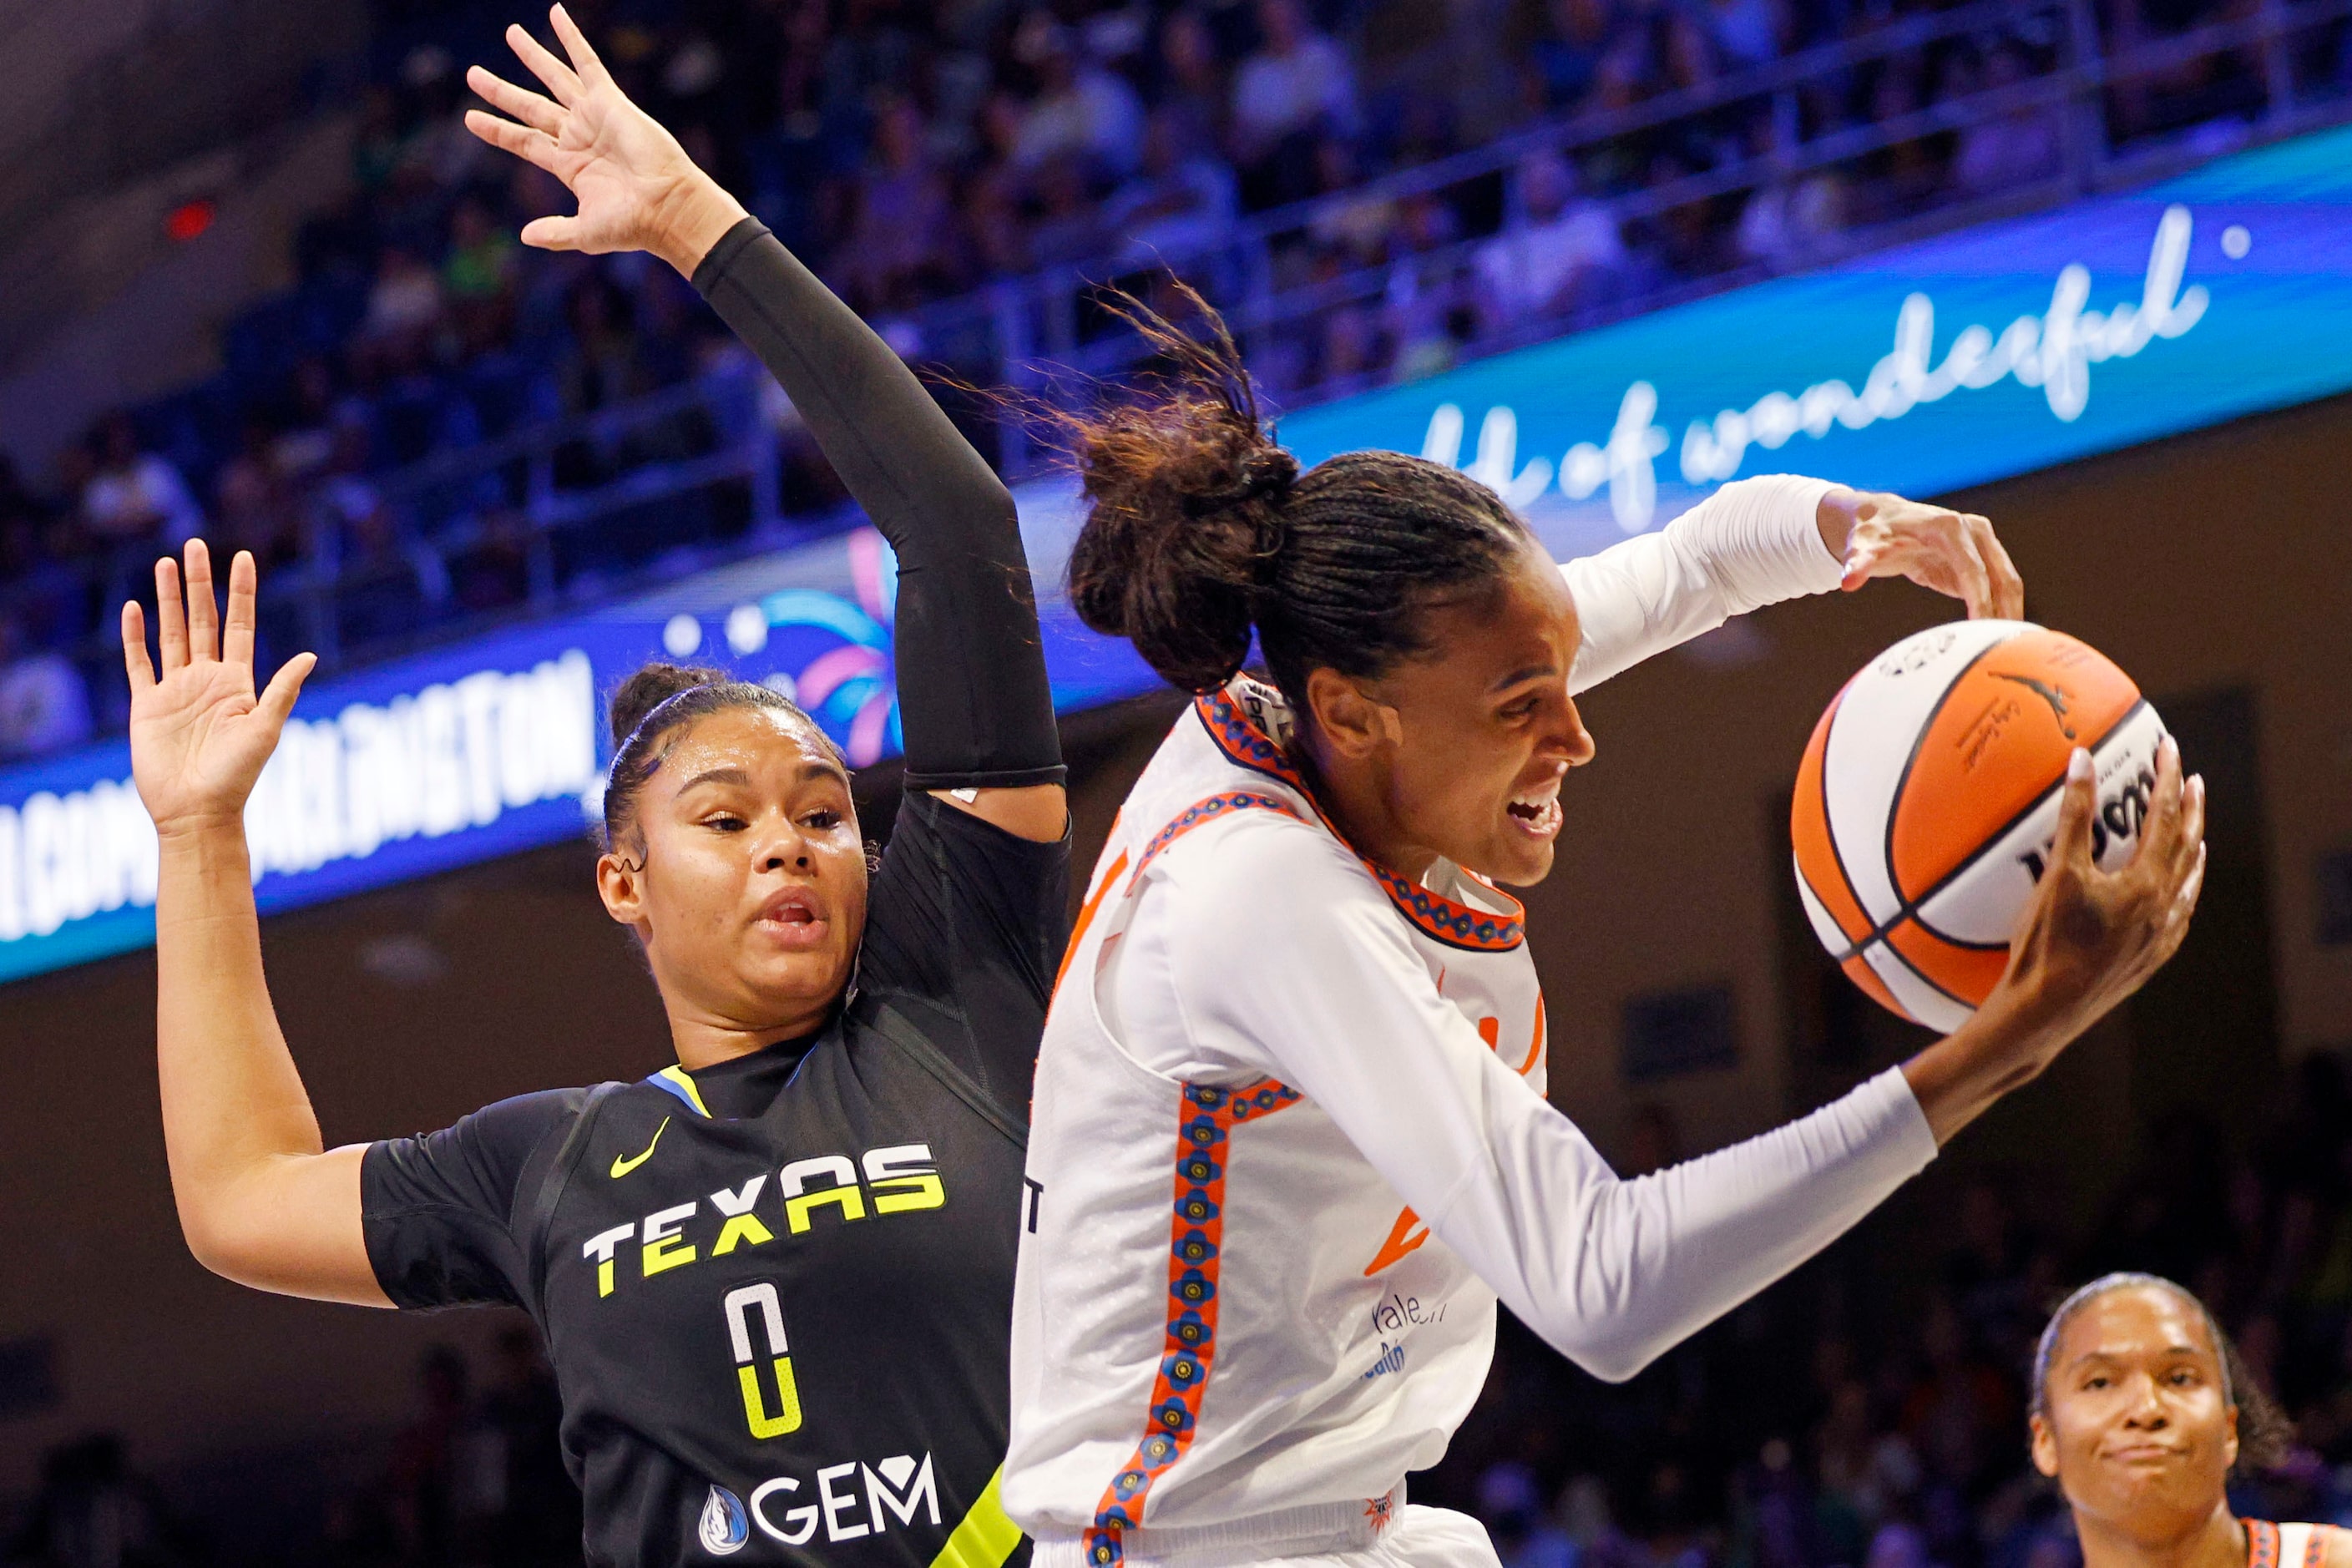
777	1293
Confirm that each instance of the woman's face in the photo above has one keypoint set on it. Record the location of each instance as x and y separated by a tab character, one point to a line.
2138	1431
747	883
1480	731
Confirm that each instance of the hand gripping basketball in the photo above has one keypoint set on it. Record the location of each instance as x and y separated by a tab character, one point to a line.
2087	940
2091	938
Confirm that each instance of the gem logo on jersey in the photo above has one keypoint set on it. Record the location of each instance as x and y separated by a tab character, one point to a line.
725	1524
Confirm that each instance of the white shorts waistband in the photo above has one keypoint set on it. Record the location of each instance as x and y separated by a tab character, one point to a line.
1309	1529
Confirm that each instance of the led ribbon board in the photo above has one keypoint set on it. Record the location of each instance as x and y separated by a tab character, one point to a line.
1998	350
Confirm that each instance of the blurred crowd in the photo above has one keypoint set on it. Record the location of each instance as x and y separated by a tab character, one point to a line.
917	150
1870	1414
474	1479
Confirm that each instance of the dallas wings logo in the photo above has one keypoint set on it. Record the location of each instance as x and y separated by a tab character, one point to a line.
725	1524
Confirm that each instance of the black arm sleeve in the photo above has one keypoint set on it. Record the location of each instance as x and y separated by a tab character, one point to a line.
438	1210
973	695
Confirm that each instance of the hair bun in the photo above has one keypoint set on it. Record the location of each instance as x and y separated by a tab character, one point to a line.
650	687
1264	473
1186	490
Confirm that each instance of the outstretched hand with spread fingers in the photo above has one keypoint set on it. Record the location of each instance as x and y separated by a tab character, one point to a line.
636	188
199	734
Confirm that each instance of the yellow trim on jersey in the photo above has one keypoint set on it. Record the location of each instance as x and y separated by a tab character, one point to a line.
984	1537
678	1075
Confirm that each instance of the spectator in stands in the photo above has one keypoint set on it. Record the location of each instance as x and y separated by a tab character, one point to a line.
1192	88
603	364
308	439
1688	53
1081	111
252	503
1746	34
898	243
44	706
1360	228
341	499
92	1511
1511	1505
1905	176
478	277
1564	58
1791	224
1067	228
2015	149
1298	85
403	309
993	230
1179	204
1351	348
1565	258
1431	304
136	502
25	524
533	1514
422	1484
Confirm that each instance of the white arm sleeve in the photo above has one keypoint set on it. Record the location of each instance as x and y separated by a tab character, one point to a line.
1283	958
1753	543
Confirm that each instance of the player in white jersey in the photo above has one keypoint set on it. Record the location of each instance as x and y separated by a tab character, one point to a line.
1289	1142
2142	1411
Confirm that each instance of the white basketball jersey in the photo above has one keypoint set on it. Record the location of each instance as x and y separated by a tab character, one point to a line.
1256	1369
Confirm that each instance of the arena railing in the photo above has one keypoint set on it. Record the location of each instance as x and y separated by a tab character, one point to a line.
1050	336
628	496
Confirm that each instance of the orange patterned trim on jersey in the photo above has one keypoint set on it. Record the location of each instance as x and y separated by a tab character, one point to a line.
1207	1118
1455	924
2266	1540
1202	811
2262	1544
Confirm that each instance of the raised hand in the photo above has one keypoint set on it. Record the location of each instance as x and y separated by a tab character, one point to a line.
1954	553
636	188
199	735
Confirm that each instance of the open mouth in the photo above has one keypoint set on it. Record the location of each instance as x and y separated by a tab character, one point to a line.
1537	813
793	918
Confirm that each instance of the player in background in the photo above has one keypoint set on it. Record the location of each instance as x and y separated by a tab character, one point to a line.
2141	1412
775	1278
1289	1142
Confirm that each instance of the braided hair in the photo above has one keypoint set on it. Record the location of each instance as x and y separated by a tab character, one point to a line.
657	701
1203	530
2265	1435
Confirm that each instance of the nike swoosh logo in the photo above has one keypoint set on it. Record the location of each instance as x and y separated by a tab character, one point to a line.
622	1167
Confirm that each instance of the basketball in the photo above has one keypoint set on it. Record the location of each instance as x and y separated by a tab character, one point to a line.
1928	796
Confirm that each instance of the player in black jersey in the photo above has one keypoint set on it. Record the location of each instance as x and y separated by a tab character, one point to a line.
775	1280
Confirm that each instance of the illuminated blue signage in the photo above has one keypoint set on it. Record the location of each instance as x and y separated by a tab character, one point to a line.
1996	352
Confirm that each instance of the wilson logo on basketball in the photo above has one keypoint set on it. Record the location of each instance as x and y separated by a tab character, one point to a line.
1928	796
2119	821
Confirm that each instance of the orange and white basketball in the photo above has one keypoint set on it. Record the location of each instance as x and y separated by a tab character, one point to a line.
1928	796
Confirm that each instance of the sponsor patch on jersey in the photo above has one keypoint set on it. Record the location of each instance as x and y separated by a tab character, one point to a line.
725	1524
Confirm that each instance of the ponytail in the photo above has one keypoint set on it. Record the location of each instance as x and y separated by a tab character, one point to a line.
1203	531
